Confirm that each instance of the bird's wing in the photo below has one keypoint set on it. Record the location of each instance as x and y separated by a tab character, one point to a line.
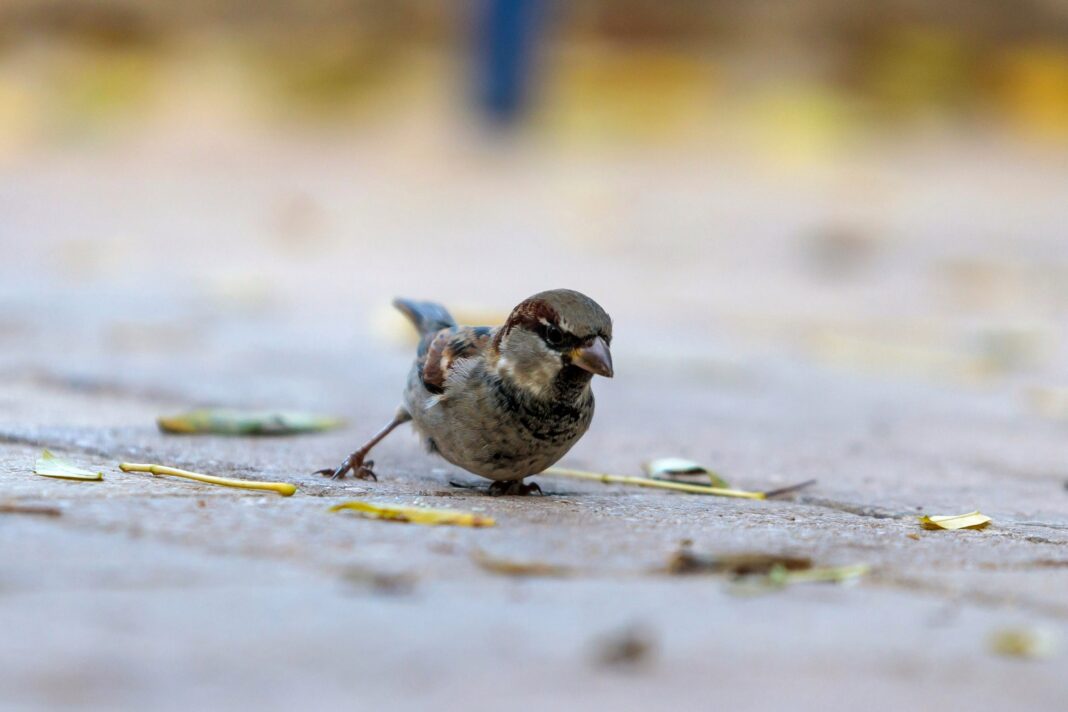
440	352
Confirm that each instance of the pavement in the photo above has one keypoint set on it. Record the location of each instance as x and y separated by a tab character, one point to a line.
891	326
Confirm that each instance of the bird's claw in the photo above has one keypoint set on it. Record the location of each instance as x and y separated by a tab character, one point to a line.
364	472
360	470
516	488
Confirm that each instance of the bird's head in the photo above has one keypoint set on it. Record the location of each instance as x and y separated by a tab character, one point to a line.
553	342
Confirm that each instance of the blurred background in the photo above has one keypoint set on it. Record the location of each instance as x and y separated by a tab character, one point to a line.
879	186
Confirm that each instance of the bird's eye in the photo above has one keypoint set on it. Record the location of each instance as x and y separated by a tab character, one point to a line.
553	335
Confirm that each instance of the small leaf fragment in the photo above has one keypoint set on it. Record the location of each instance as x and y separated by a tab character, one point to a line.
231	421
48	465
971	520
677	469
1031	643
415	515
780	577
508	567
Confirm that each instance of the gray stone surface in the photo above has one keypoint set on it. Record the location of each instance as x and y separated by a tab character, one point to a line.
141	282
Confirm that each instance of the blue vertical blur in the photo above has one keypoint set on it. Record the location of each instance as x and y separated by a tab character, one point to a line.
507	39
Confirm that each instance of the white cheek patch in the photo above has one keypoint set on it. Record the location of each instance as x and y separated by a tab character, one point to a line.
505	366
535	377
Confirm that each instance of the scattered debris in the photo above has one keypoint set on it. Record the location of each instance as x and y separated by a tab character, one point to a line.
630	647
779	577
971	520
685	561
415	515
1030	643
229	421
48	465
676	469
37	509
283	488
377	581
518	569
1025	565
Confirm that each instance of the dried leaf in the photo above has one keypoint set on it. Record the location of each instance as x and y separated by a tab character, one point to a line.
507	567
48	465
228	421
628	647
971	520
686	561
283	488
1032	643
679	470
38	509
415	515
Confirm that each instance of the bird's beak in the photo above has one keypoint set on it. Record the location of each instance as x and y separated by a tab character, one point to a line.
595	358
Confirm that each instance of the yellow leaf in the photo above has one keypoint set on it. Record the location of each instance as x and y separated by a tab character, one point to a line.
1033	643
415	515
971	520
48	465
283	488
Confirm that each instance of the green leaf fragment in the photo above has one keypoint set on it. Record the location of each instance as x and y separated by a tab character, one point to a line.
48	465
780	577
230	421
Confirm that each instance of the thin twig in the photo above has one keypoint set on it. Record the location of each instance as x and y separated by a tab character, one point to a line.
770	494
647	482
283	488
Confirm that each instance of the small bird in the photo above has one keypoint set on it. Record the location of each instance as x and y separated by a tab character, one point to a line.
502	402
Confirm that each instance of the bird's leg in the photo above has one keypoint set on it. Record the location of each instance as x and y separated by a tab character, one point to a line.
354	462
517	488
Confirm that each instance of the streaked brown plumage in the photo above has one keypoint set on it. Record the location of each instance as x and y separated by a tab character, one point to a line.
506	402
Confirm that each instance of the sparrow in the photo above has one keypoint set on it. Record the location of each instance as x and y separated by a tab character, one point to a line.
502	402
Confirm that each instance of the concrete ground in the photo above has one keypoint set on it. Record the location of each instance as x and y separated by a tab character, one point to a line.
892	326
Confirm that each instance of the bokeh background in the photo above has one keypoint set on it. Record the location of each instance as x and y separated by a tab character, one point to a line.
880	184
832	235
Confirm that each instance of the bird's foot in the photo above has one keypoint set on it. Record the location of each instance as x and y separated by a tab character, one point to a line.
360	470
516	488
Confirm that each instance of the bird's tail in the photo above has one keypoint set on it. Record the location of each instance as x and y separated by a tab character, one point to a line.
427	317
